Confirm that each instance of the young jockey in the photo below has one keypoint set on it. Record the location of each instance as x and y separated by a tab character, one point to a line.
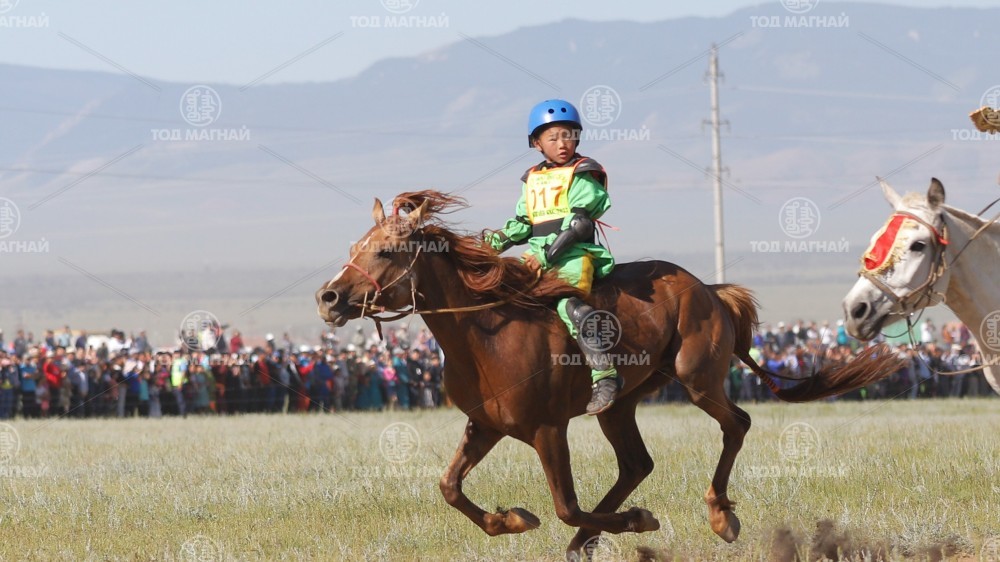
560	200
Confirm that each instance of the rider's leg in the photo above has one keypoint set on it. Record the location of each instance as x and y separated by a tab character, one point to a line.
588	327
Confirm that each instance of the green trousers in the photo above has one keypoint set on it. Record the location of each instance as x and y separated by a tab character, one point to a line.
579	272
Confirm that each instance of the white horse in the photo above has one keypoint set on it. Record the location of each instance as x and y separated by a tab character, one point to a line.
928	253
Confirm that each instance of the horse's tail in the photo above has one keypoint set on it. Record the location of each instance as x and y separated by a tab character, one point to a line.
872	365
742	307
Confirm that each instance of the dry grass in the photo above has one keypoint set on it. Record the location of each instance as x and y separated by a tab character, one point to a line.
908	479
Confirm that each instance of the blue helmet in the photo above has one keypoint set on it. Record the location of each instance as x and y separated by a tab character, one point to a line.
551	111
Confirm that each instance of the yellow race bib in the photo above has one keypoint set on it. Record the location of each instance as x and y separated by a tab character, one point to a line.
547	193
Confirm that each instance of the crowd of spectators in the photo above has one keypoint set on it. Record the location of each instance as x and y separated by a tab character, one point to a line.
68	373
72	374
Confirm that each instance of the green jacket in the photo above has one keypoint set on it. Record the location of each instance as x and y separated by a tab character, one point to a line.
585	192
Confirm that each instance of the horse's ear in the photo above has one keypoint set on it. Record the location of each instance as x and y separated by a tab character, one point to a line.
378	213
890	194
417	215
935	193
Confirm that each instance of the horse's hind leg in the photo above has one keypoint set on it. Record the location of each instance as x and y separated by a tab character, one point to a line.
476	442
553	450
708	393
634	462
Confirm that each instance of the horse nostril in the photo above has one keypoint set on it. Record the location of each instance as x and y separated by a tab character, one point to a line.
329	297
859	311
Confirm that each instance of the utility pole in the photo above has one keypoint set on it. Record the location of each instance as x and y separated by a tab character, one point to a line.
720	246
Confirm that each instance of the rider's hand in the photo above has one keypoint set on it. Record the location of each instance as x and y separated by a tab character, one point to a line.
532	262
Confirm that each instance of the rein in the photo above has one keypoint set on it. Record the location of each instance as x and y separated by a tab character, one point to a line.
913	344
369	309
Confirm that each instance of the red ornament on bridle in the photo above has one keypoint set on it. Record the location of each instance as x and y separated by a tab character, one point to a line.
875	259
881	249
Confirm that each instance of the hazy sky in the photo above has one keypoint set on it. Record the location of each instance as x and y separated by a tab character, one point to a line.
197	41
225	41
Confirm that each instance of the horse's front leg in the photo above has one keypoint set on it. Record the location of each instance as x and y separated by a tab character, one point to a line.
476	442
634	463
553	450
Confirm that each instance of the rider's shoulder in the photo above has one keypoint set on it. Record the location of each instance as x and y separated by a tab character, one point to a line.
583	164
524	176
590	166
587	164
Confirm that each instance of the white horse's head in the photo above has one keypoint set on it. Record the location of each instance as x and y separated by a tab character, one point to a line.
902	270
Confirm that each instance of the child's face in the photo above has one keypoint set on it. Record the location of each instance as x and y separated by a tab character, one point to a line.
557	143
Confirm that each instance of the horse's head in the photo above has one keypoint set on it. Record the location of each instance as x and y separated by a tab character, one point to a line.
903	269
380	271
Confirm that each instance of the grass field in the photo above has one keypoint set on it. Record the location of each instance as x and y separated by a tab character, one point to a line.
913	477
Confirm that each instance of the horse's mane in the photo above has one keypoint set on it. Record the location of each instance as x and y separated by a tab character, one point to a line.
482	270
975	221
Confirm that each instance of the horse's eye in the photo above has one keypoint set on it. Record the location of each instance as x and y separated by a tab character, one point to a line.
917	246
384	254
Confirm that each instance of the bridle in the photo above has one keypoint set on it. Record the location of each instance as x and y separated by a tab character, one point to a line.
376	312
924	291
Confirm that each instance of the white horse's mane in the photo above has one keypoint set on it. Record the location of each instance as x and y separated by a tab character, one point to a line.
975	221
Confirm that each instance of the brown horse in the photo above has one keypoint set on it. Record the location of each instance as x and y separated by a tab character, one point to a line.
495	322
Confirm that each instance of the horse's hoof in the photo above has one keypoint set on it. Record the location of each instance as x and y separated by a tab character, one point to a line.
731	531
519	520
643	522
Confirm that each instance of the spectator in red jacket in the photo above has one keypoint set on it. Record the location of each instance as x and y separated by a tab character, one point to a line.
54	376
236	342
266	396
